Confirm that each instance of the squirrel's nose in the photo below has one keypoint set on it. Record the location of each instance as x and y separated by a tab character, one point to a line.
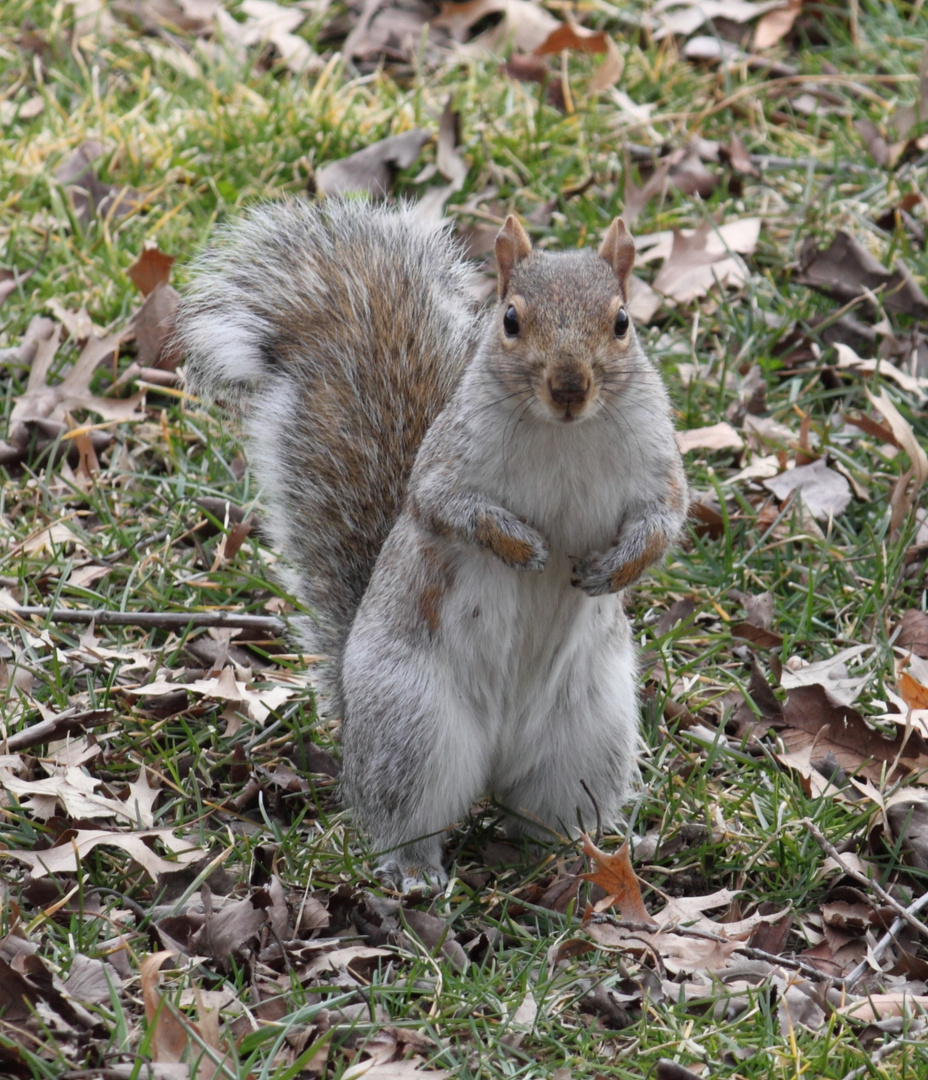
569	388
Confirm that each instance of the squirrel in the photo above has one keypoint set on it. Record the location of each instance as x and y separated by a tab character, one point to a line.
461	498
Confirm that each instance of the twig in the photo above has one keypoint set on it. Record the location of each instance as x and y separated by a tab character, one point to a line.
155	538
162	620
54	728
903	912
876	1056
885	941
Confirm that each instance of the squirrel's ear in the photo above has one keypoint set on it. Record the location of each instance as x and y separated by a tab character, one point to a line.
618	249
512	246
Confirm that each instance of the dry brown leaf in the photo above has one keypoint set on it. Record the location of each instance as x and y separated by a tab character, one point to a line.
89	194
231	930
610	70
259	703
721	436
913	693
824	492
571	36
74	844
913	633
524	26
849	360
839	735
674	17
775	24
72	790
615	875
738	157
150	269
49	406
695	262
672	1070
170	1037
905	436
267	22
882	1006
847	271
833	674
371	170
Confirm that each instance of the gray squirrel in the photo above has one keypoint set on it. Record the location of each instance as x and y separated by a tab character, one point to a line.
461	498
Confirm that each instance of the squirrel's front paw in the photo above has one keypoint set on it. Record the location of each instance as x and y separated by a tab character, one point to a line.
592	576
621	565
510	539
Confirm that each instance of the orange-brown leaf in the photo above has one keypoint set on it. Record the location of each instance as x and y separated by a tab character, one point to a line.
614	873
150	269
913	693
569	36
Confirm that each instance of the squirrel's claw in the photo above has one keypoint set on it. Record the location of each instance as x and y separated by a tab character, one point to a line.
411	880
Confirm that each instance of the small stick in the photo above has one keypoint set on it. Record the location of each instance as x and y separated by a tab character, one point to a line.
46	730
877	1056
885	941
903	912
162	620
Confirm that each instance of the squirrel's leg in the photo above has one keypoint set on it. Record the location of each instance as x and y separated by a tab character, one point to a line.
412	767
580	761
415	753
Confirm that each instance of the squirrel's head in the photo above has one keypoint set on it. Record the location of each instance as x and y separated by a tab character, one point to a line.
565	338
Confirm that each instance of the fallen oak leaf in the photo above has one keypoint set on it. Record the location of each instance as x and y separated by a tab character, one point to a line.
913	632
89	194
876	1007
224	687
615	875
696	261
74	791
690	15
849	360
74	844
173	1038
50	405
169	1035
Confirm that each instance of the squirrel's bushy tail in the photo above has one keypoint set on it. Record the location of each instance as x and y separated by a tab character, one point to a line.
339	331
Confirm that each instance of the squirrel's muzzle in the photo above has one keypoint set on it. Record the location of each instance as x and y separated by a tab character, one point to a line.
569	391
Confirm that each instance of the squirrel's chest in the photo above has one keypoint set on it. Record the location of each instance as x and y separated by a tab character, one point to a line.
574	486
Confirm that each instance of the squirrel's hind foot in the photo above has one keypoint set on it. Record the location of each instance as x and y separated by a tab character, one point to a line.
411	879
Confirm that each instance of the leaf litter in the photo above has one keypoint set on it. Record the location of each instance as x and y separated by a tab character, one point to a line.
776	472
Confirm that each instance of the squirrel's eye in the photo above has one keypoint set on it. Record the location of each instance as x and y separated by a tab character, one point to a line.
511	322
622	322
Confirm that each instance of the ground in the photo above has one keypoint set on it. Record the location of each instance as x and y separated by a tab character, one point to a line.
182	892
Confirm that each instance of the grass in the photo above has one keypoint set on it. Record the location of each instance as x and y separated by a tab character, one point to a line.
202	136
